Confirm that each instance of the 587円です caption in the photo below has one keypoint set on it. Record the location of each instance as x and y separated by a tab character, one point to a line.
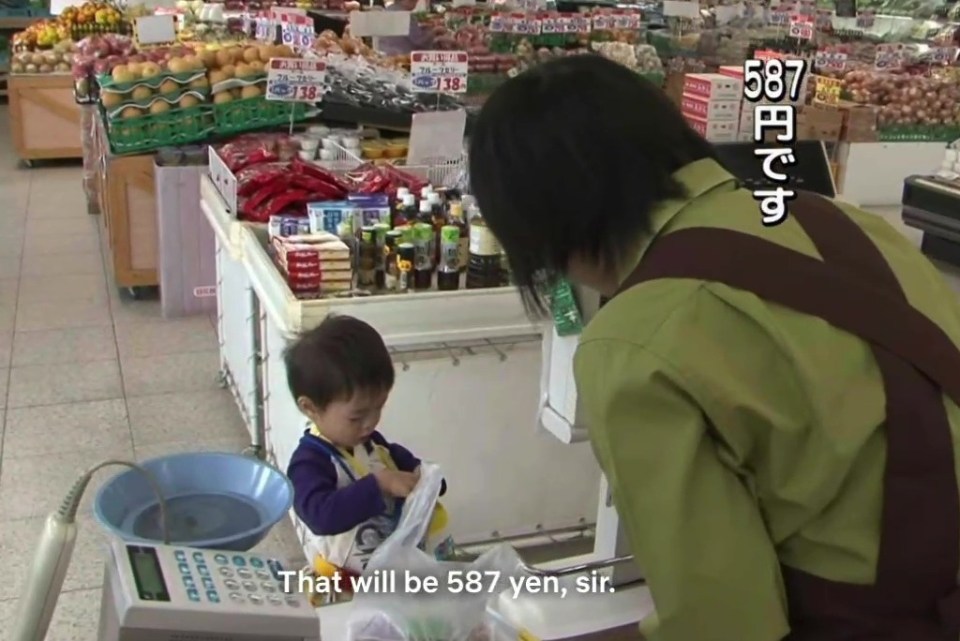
775	87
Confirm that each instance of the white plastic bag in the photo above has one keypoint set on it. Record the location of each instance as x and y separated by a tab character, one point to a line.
454	608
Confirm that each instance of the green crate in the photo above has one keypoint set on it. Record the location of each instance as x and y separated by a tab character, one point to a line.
918	133
250	114
153	131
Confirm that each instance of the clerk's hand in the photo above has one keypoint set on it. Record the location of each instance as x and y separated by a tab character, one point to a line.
396	484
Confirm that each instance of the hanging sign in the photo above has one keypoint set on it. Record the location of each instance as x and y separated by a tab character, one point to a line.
824	19
830	60
263	28
801	27
439	71
297	32
296	80
943	55
889	57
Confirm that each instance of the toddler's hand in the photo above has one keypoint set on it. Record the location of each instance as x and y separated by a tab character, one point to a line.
397	484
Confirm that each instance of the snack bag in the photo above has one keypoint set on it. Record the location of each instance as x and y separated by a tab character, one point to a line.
451	610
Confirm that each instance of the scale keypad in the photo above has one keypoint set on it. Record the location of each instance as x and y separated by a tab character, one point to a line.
243	579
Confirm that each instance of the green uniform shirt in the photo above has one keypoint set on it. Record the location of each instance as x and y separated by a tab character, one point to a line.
736	434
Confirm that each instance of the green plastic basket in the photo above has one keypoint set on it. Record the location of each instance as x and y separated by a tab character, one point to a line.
153	131
250	114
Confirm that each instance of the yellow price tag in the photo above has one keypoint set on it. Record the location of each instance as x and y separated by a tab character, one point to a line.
828	90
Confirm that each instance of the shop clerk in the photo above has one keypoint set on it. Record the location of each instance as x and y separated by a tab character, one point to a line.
775	408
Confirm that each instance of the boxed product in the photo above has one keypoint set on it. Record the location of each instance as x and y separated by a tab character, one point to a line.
714	130
314	264
700	107
712	86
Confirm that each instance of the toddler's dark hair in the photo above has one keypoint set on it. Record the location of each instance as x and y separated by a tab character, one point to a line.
339	357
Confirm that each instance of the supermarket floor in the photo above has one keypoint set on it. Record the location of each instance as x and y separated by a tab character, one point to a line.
86	374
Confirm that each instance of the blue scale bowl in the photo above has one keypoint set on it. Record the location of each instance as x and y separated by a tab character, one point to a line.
214	500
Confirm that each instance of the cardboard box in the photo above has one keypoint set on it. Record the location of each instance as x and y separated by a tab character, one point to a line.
713	86
714	130
860	122
700	107
819	122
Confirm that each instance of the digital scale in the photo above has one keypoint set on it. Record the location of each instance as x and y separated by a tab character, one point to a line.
173	593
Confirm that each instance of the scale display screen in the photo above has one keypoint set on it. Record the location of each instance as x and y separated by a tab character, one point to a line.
147	573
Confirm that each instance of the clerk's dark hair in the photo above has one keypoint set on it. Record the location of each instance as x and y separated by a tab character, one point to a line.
336	359
569	158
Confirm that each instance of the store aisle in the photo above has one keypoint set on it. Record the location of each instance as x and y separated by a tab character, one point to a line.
86	375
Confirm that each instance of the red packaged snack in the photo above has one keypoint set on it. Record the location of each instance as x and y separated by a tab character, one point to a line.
252	179
282	202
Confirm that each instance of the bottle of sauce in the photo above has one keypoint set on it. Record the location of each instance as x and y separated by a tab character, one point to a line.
448	270
405	257
390	250
367	267
438	216
457	220
483	266
423	257
406	211
425	215
380	231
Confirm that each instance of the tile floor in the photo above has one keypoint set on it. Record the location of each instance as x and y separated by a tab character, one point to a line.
86	374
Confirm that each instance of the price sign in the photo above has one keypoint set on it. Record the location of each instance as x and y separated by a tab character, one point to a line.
779	17
498	23
943	55
524	25
297	32
865	19
824	19
566	23
581	24
603	22
264	30
439	71
888	57
830	60
801	27
767	54
296	80
550	26
828	90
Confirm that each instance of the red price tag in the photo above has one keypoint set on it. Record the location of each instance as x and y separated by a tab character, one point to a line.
439	71
296	80
801	27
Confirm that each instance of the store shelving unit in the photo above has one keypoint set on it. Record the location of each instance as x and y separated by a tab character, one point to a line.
9	25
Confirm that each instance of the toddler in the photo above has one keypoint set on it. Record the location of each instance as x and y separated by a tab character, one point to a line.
349	482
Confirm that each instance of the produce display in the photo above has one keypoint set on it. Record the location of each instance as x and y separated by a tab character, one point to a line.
59	59
72	25
369	88
910	106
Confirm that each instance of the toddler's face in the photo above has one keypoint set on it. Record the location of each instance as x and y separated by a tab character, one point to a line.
351	422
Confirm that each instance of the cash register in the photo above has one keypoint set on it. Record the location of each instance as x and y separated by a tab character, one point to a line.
171	593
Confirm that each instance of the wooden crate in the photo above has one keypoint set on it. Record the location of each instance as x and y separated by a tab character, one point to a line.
127	198
44	118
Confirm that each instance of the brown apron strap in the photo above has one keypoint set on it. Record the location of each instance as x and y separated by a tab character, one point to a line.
809	286
917	529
